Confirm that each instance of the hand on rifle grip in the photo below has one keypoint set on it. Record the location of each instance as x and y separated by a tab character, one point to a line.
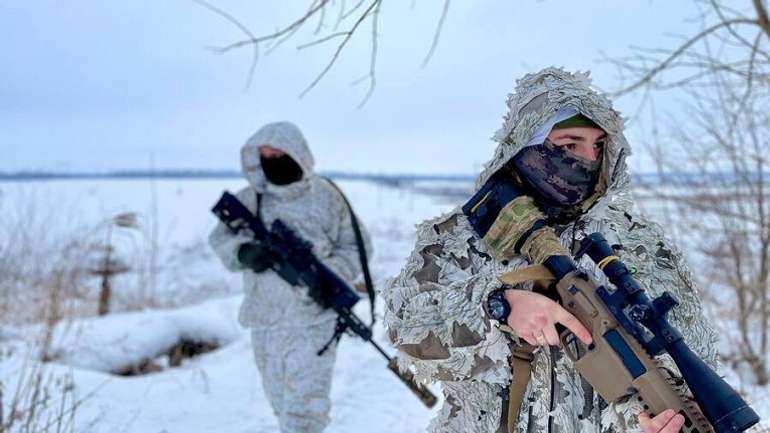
534	317
667	421
255	256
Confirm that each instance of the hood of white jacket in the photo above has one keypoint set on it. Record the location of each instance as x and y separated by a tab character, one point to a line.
286	137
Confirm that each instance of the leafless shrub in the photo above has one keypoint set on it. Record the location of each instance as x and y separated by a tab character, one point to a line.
47	249
45	244
714	175
39	257
713	169
42	400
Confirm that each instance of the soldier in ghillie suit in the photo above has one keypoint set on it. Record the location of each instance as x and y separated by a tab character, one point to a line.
563	143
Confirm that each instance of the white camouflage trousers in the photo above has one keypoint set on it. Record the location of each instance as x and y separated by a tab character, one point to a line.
295	379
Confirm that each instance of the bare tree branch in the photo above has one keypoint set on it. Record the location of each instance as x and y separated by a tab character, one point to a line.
374	5
322	40
279	33
244	29
719	9
360	12
437	34
353	9
663	65
372	59
762	17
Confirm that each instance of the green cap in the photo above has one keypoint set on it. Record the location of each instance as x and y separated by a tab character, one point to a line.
576	121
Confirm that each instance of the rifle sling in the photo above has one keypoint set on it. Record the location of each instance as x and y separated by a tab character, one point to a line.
362	256
522	353
521	370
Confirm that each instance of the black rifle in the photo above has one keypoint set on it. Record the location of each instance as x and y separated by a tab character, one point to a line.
293	259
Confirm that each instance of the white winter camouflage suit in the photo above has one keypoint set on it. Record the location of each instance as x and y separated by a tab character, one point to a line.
435	308
288	327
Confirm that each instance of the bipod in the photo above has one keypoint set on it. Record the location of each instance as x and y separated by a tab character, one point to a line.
339	329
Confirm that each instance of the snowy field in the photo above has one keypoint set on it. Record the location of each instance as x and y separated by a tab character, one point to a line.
218	391
191	297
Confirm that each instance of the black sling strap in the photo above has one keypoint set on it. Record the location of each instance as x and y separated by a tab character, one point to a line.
362	256
259	208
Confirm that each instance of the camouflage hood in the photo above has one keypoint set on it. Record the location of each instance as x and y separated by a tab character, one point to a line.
542	99
286	137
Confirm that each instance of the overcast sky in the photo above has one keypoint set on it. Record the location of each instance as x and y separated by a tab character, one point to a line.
93	85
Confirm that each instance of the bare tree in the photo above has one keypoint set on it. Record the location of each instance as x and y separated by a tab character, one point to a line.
713	168
334	20
714	174
731	44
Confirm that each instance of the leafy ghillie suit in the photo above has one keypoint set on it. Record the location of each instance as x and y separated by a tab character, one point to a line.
435	307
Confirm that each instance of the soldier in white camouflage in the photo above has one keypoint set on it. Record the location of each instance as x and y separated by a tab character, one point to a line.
288	328
571	156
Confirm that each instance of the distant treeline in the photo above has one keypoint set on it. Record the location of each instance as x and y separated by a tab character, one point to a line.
394	179
219	174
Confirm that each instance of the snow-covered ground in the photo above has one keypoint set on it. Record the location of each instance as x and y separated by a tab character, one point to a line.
215	392
221	390
194	298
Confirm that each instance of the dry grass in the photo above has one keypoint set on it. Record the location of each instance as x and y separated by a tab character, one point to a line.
45	244
38	257
40	399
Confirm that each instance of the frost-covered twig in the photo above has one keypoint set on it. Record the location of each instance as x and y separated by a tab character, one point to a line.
356	15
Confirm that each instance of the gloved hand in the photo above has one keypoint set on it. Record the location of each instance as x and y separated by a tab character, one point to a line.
255	256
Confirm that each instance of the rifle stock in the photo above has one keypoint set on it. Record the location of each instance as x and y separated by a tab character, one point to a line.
615	363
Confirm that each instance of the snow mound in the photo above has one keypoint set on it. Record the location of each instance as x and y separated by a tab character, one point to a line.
119	341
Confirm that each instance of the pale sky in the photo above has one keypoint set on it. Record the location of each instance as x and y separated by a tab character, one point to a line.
89	85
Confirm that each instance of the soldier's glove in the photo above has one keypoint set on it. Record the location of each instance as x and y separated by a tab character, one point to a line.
255	256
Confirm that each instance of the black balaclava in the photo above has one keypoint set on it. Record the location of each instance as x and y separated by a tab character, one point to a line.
281	170
558	181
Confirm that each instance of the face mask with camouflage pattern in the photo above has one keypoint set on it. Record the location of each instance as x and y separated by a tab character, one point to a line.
555	176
